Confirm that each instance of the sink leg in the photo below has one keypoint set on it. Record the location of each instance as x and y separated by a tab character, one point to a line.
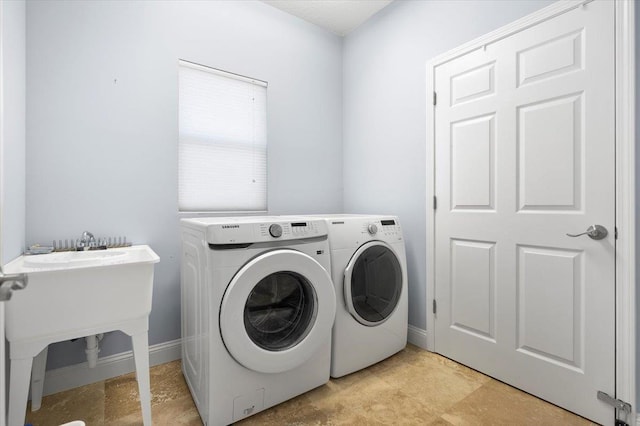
19	390
141	358
37	378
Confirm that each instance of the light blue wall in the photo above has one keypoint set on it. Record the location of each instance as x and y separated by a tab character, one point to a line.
385	111
102	154
12	123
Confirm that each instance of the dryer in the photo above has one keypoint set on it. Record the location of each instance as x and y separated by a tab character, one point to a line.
369	272
258	305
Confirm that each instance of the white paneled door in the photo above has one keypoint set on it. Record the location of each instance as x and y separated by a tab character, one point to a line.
524	146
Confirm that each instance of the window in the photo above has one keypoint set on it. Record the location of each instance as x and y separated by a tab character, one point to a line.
222	149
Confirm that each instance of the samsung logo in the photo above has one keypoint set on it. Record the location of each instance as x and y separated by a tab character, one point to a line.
230	226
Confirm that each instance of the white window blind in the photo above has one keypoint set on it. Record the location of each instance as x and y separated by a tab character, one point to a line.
222	150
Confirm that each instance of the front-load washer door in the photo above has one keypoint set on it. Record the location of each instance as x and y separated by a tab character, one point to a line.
277	311
373	283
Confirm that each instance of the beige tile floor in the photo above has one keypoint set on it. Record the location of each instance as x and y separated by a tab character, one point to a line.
414	387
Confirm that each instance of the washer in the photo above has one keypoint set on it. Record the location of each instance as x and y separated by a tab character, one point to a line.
369	272
258	305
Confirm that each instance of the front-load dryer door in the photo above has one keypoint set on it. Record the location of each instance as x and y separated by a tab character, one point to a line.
373	283
277	311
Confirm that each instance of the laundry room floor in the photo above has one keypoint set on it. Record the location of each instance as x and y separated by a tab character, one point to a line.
412	387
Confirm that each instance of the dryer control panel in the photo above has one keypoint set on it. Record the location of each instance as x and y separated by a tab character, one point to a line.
348	231
382	228
390	228
244	232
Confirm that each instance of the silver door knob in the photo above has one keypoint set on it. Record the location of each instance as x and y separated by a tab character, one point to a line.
11	282
595	232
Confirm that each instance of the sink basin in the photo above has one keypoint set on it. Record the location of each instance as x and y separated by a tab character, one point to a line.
68	291
75	258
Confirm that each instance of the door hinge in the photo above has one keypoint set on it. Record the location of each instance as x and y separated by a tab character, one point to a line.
615	232
434	306
435	98
615	403
435	202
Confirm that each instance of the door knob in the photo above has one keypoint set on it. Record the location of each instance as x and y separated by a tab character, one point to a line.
11	282
595	232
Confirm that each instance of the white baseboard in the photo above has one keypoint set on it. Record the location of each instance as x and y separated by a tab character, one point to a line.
417	336
70	377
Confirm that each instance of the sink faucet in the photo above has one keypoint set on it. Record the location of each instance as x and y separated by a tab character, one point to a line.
87	240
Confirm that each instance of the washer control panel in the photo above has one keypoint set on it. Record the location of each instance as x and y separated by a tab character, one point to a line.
289	230
275	230
249	230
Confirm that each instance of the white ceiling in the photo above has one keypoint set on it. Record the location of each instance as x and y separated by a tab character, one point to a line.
338	16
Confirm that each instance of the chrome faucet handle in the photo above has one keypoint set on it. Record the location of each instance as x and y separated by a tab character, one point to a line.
87	240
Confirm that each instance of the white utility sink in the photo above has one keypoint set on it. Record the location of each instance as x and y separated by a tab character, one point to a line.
72	295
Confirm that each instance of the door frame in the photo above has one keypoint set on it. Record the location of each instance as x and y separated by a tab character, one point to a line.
1	131
625	178
3	348
3	356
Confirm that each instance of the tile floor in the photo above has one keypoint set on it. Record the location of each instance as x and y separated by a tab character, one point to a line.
414	387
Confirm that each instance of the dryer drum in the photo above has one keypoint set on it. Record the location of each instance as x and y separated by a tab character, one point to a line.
376	284
279	311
